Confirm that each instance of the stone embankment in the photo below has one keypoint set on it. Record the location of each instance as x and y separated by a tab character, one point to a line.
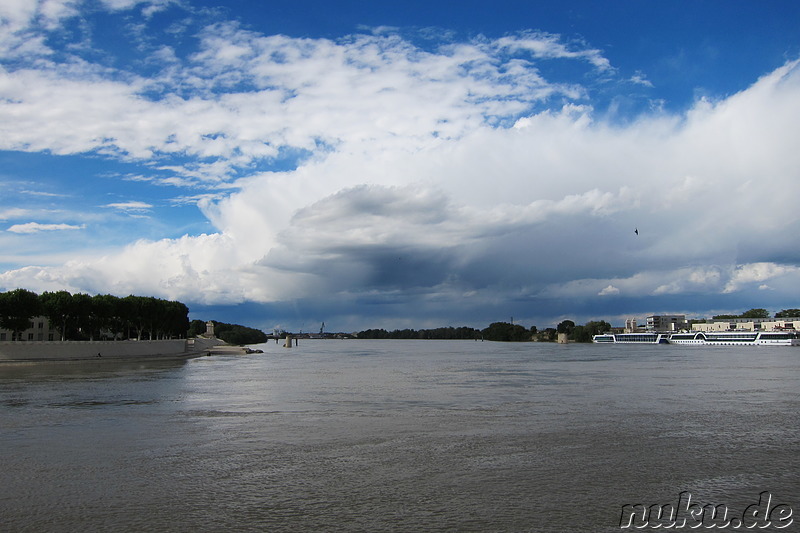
31	351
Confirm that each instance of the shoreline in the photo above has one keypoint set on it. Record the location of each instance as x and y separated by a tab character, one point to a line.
100	360
23	352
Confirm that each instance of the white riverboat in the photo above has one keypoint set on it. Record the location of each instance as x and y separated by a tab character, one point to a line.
737	338
716	338
632	338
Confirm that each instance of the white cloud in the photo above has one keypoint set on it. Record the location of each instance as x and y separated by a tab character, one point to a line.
44	193
609	290
14	212
757	272
549	46
22	22
557	179
434	170
378	90
35	227
135	206
640	79
17	15
119	5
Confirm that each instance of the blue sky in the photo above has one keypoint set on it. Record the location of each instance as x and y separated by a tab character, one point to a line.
403	164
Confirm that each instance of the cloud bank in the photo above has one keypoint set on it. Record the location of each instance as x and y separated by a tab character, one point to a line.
370	176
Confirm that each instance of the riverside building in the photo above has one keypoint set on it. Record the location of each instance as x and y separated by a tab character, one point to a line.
749	324
39	329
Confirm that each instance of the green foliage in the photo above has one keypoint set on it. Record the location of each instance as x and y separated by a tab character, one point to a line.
236	334
373	334
752	313
565	327
756	313
17	307
497	331
80	316
545	335
788	313
506	332
196	327
586	332
446	333
57	307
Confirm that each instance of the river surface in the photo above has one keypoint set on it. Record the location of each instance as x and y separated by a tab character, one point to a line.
361	435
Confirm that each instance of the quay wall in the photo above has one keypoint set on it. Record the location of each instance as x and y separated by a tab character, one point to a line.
74	350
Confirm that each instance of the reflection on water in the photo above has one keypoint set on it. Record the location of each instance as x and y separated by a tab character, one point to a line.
396	436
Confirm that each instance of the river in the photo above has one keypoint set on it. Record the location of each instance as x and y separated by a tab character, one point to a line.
362	435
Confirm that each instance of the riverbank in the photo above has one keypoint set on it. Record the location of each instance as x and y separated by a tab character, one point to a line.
49	351
227	349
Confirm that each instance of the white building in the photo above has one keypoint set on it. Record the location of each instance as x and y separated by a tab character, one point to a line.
38	330
749	324
666	323
631	326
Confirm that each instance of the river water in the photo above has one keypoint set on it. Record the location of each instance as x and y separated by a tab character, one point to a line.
359	435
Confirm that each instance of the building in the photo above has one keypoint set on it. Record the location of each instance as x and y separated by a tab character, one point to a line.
666	323
38	330
631	326
749	324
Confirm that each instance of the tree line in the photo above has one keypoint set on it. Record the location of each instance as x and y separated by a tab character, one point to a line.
83	317
497	331
230	333
447	333
762	313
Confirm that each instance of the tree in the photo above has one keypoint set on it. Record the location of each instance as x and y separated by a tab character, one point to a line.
506	332
580	334
236	334
756	313
547	334
17	307
88	317
788	313
176	321
102	314
598	326
586	332
565	326
196	328
446	333
83	316
135	313
57	307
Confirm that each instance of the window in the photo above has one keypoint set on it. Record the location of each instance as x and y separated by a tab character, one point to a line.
41	325
50	337
2	336
30	336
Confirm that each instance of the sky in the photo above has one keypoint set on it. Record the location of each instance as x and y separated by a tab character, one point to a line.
404	164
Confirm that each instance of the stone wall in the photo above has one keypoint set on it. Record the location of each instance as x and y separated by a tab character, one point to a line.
69	350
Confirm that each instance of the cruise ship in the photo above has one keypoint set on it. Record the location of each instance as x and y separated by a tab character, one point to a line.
632	338
720	338
737	338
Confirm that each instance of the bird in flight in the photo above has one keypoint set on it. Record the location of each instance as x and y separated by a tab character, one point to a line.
636	231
